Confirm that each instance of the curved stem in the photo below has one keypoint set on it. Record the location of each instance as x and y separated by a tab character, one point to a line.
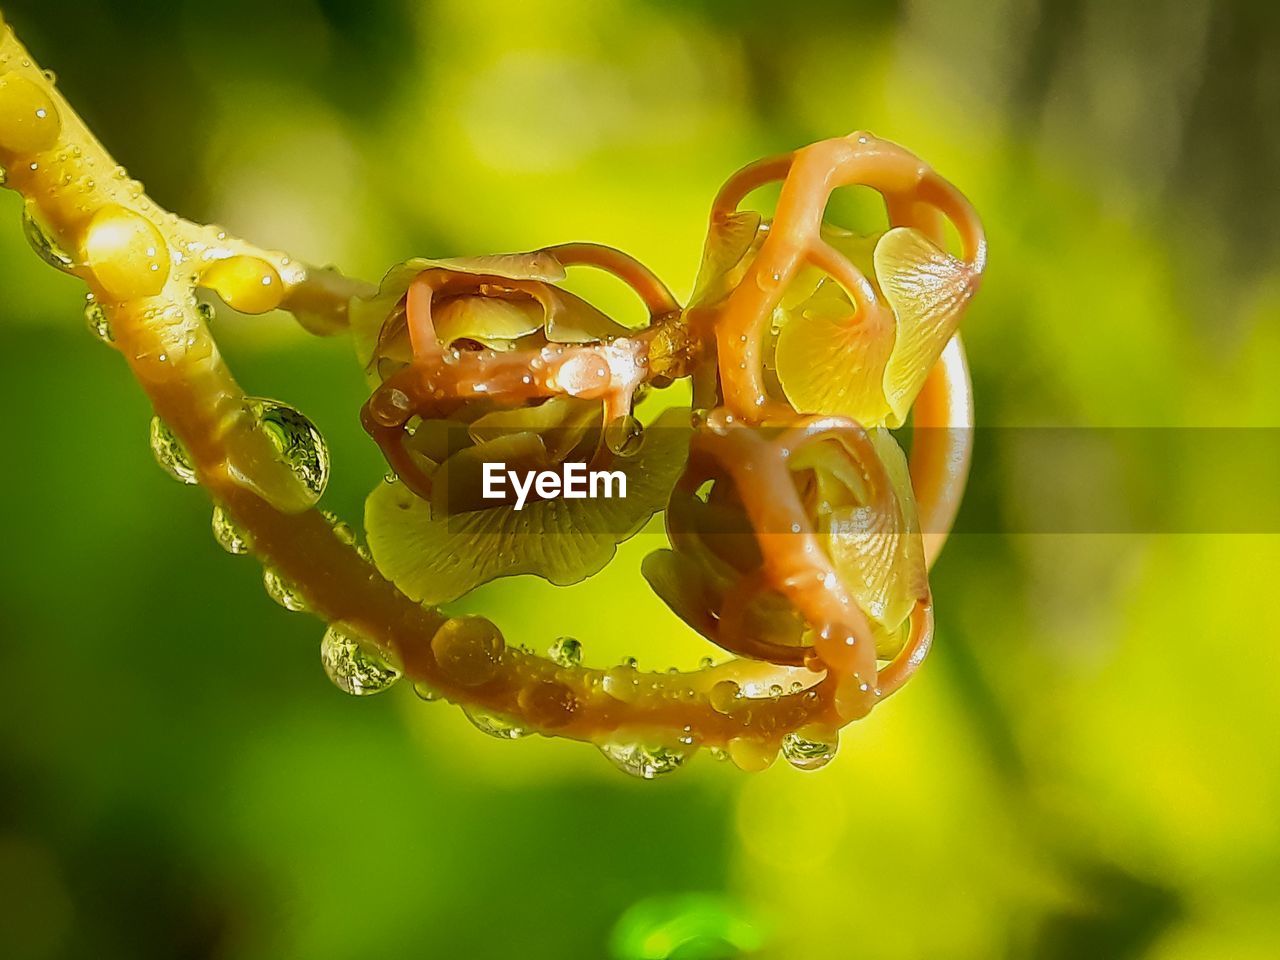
143	264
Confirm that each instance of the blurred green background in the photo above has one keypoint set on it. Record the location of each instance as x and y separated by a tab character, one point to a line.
1087	764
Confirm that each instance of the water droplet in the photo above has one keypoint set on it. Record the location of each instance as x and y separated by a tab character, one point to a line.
566	651
622	683
424	691
282	591
206	311
643	761
95	318
299	445
43	242
624	436
229	536
809	748
355	666
724	696
29	121
245	283
494	725
126	252
469	650
171	454
752	755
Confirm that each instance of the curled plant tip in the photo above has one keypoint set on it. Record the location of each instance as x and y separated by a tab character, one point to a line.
794	519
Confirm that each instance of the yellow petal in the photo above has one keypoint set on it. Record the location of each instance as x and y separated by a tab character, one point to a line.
876	545
927	289
436	559
492	321
830	360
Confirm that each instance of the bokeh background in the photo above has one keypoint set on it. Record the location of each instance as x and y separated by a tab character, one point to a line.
1086	766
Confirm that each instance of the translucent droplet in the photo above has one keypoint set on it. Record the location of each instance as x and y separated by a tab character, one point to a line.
95	318
229	536
126	252
566	651
245	283
43	242
622	683
170	453
282	591
206	311
724	696
29	121
809	749
355	667
643	761
299	445
424	691
469	650
494	725
752	755
624	436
